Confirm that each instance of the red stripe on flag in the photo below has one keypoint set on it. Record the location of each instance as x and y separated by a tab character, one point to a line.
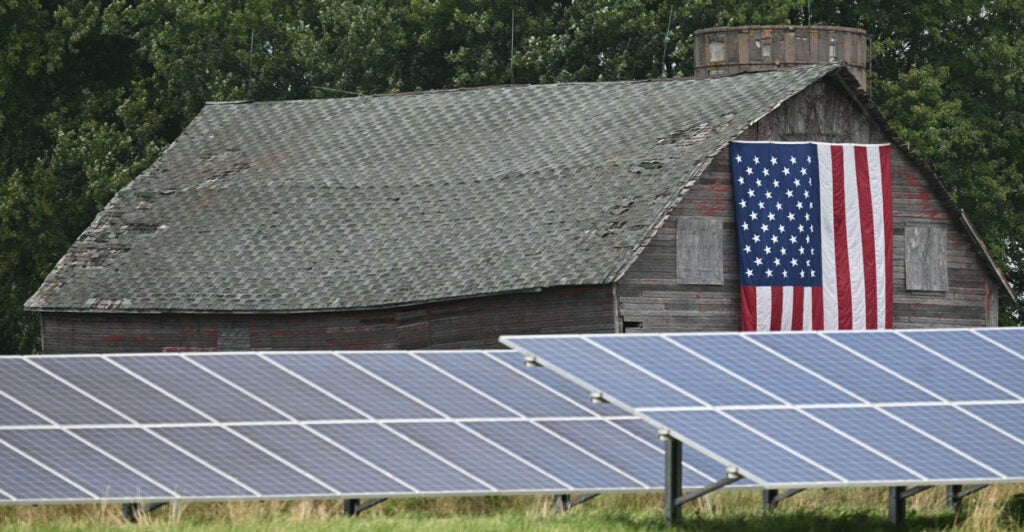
884	158
776	308
867	236
748	308
798	308
843	290
818	308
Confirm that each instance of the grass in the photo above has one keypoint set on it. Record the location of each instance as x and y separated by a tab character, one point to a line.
995	508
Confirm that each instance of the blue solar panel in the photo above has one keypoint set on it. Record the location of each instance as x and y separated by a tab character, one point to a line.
560	385
1012	338
903	444
842	367
975	438
198	388
480	458
604	440
819	443
755	455
120	390
330	464
30	482
401	458
1009	417
597	368
277	387
987	359
824	406
702	380
564	461
352	385
243	462
427	384
163	463
769	372
49	397
82	464
204	426
506	385
916	364
12	414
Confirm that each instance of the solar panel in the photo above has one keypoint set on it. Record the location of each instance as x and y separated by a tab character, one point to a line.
792	410
228	426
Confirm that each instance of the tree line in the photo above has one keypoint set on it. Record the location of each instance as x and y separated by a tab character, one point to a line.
92	90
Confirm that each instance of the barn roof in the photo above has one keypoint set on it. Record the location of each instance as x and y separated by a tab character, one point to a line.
399	199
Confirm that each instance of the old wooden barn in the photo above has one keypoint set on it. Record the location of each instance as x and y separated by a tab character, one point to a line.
443	219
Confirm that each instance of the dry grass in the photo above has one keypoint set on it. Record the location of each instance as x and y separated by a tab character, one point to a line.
995	508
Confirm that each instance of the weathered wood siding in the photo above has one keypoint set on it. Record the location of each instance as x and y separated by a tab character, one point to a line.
653	297
468	323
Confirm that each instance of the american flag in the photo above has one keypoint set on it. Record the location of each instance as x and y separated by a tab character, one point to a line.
814	223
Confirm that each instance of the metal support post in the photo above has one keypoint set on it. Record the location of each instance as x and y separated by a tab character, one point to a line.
353	507
953	496
564	502
131	512
897	505
771	498
956	494
673	478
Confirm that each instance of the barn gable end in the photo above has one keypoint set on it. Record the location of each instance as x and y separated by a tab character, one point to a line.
653	298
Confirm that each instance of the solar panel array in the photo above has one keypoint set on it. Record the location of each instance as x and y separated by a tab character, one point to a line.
793	410
226	426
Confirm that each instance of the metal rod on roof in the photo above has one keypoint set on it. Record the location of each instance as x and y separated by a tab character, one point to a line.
512	50
664	49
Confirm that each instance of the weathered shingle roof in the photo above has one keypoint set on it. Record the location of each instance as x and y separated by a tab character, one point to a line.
377	201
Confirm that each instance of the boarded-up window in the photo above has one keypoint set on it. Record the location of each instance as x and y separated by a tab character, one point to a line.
926	258
698	250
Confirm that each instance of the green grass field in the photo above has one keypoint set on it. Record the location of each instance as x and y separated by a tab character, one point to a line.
995	508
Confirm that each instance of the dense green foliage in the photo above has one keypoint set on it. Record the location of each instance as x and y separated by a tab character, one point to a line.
92	90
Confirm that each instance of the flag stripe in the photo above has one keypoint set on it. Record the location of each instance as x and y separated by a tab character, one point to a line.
798	309
842	251
748	308
778	307
830	291
764	308
854	242
878	236
867	233
885	163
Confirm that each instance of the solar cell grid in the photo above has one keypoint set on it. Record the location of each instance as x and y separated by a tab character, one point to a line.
278	388
51	398
771	373
499	468
427	384
989	360
932	373
86	466
232	426
596	367
198	388
352	385
705	382
857	408
113	386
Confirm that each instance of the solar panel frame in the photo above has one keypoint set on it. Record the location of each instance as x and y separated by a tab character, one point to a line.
268	414
549	356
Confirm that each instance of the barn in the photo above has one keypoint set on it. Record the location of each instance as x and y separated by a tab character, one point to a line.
443	219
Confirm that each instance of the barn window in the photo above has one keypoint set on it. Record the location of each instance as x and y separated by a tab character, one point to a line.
698	250
926	258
